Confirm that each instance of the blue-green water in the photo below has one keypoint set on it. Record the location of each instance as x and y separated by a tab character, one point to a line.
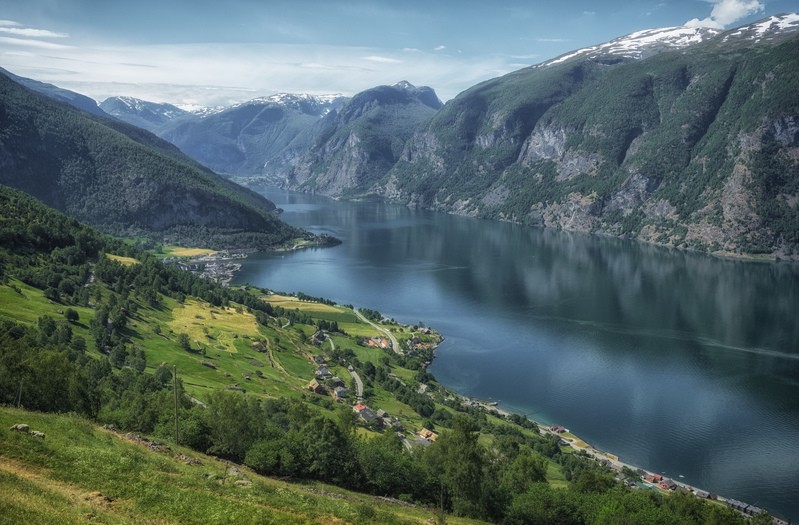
676	362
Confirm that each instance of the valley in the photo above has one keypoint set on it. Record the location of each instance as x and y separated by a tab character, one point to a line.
384	306
662	136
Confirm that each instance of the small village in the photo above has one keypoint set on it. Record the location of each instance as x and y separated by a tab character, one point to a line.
325	383
218	266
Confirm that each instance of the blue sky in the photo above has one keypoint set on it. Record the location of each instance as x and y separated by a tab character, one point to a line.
216	52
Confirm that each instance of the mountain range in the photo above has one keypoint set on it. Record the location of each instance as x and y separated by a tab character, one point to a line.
356	146
683	137
261	137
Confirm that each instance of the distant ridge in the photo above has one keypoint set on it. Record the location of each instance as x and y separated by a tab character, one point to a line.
77	100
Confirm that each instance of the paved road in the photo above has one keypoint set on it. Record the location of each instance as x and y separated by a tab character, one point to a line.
394	343
353	373
358	383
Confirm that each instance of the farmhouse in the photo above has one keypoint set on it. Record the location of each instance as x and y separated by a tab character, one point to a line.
341	392
428	435
316	387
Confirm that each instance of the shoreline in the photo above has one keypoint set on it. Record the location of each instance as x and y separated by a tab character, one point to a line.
217	266
611	461
643	478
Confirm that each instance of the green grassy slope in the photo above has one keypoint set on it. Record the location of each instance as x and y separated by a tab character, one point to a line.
83	473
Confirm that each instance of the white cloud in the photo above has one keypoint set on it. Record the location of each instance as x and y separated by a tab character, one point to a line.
382	60
221	74
31	43
5	23
439	48
20	53
551	39
35	33
725	12
589	13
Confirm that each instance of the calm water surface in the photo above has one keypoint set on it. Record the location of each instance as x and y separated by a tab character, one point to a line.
679	363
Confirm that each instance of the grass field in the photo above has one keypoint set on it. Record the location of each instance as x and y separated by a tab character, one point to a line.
81	473
214	327
29	303
178	251
125	261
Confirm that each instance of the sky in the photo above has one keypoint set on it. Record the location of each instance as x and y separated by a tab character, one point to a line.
215	52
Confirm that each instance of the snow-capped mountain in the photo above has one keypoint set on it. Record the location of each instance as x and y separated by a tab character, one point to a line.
681	136
318	105
253	138
642	43
766	29
249	138
142	113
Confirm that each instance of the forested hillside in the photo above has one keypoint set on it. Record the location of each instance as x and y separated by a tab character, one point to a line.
122	179
680	148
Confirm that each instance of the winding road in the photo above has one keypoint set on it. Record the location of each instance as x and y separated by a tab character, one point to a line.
394	343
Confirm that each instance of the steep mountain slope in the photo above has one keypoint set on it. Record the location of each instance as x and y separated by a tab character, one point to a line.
259	138
678	137
122	178
356	146
64	95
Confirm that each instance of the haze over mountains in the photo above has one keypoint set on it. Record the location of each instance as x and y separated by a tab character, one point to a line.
256	138
682	136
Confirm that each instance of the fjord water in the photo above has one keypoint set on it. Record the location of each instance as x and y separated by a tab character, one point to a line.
679	363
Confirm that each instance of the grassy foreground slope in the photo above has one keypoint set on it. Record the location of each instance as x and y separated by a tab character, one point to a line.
83	473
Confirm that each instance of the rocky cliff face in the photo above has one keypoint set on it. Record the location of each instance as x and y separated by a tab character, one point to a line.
694	148
356	146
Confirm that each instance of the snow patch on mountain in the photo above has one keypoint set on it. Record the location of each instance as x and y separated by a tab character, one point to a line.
153	112
636	45
290	99
201	111
768	27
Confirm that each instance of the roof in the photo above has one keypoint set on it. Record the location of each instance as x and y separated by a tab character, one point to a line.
428	434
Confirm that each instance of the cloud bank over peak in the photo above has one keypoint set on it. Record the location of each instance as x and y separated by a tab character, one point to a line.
726	12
